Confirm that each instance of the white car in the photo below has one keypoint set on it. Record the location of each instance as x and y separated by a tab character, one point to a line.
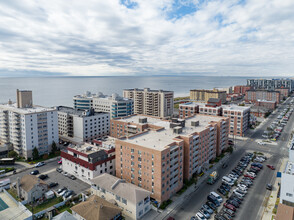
232	177
242	190
238	194
243	187
200	216
40	164
261	143
260	158
251	174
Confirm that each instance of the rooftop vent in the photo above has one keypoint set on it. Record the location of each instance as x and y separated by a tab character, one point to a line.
142	120
195	123
88	148
178	130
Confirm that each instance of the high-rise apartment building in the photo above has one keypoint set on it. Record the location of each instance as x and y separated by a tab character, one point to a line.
202	95
262	95
27	127
78	126
241	89
117	106
151	102
239	117
164	153
271	84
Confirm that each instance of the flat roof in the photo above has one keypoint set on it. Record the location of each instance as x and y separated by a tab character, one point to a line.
147	90
88	148
200	104
13	211
34	109
160	139
78	112
235	107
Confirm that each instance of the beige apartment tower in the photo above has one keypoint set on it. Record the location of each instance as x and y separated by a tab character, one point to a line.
24	98
203	95
151	102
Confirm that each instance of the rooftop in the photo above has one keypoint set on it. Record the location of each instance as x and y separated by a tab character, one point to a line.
96	208
64	216
114	96
121	188
235	107
200	104
284	212
89	148
160	139
27	182
146	90
34	109
77	112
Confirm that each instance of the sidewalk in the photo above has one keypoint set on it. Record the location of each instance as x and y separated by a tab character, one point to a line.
270	203
179	199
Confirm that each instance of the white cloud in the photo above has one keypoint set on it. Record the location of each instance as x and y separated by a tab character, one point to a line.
106	38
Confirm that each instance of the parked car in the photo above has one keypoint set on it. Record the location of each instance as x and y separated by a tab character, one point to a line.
251	177
211	205
200	216
60	161
207	208
269	186
61	190
53	184
234	203
65	173
72	177
40	164
35	172
222	191
43	176
205	213
229	211
68	193
229	206
271	167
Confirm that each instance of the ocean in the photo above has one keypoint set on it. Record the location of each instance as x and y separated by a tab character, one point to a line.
54	91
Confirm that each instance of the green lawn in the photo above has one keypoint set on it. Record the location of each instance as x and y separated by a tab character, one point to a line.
45	205
13	193
7	169
65	208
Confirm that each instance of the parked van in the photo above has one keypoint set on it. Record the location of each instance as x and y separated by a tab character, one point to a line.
228	181
217	196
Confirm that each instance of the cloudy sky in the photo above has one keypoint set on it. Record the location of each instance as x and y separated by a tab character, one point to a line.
146	37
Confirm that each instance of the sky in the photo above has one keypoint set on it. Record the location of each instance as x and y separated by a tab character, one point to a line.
153	37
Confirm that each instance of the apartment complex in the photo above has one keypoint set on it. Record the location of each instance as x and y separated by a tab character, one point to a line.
202	95
241	89
78	126
261	95
27	127
284	92
116	106
192	108
89	161
271	84
239	117
84	101
287	179
151	102
160	156
133	200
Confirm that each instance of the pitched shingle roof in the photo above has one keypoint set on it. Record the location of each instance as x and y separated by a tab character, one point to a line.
96	208
27	182
121	188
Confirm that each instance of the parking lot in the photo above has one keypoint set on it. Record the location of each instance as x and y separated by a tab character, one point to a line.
76	185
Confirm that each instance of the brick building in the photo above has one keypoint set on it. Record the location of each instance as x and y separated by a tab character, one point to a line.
241	89
260	95
165	153
267	104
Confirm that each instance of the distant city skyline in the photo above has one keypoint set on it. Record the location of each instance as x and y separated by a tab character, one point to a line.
156	37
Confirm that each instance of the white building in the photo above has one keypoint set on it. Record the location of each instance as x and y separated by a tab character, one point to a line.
89	161
78	126
151	102
287	180
84	101
27	127
134	201
117	106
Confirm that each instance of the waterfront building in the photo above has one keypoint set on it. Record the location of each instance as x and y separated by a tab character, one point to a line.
27	126
271	84
78	126
158	103
84	101
202	95
116	105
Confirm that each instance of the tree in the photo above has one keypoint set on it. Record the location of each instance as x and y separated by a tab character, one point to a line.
35	154
12	154
53	147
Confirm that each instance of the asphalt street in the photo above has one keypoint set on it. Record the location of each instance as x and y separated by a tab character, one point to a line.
252	205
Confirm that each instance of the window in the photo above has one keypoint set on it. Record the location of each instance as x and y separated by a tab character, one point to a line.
289	194
140	203
117	197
